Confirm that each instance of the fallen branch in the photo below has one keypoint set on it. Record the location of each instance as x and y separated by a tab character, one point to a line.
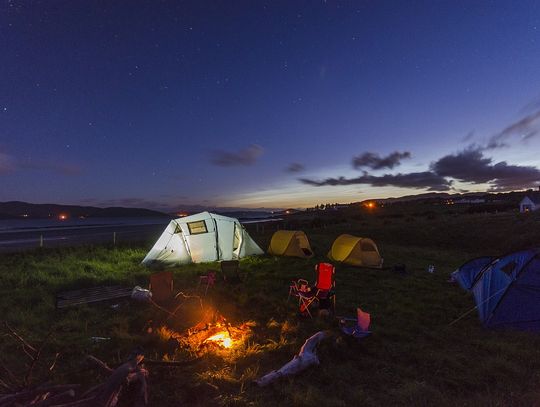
141	397
9	400
111	390
306	357
57	399
130	377
14	334
35	359
106	394
10	380
102	365
53	365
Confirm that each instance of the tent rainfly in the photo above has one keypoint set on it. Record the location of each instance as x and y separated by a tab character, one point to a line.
292	243
356	251
506	289
200	238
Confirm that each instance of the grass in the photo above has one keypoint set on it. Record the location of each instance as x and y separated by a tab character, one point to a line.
413	358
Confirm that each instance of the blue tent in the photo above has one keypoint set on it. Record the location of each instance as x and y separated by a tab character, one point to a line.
506	289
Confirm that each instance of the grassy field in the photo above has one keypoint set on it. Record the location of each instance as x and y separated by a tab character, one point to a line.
413	357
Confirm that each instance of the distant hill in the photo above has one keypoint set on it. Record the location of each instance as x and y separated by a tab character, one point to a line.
513	196
17	209
245	214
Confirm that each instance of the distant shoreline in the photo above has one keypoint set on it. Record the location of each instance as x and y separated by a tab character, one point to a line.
25	234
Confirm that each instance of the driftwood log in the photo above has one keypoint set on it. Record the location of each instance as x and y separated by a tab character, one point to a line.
306	357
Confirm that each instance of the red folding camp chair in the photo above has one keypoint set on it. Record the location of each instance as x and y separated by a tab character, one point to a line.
161	286
322	292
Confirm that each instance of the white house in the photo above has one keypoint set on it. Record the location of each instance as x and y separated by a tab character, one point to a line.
530	202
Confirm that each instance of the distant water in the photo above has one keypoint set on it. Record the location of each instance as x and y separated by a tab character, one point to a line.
21	225
22	234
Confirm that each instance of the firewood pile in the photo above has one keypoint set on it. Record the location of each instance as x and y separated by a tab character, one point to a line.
126	384
126	381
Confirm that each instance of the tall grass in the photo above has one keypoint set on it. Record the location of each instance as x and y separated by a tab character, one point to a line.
413	357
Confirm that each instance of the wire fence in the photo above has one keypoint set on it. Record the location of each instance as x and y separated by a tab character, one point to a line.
20	241
47	240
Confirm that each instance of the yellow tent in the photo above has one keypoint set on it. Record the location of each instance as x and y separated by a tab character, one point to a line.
357	251
290	243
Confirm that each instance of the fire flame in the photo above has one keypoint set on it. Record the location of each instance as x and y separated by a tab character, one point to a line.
221	338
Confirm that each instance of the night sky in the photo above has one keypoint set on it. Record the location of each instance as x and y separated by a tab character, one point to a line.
265	104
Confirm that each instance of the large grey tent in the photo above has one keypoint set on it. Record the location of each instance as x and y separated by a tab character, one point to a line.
200	238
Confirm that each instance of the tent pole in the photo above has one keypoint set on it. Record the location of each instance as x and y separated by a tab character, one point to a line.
472	309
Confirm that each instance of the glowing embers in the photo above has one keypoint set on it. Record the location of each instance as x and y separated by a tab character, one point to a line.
212	334
218	336
221	339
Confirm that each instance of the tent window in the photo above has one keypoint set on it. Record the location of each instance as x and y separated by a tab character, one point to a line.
367	247
196	228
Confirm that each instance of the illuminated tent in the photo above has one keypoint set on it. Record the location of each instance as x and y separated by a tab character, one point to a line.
292	243
200	238
356	251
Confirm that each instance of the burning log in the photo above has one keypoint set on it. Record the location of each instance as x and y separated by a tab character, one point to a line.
306	357
212	333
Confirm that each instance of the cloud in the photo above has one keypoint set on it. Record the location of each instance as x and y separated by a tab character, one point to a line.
7	164
295	167
246	156
526	128
376	162
468	137
417	180
57	167
470	165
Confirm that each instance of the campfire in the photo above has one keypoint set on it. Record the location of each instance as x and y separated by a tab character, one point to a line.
218	336
212	334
